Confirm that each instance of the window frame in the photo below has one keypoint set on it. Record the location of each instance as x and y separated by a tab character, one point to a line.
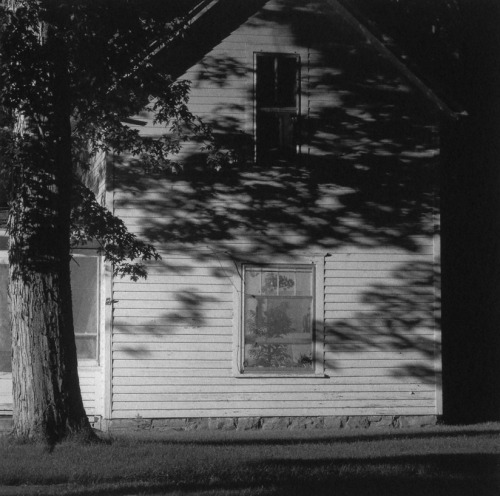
278	110
317	331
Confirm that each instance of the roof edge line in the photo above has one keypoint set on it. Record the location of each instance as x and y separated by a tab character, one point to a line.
372	38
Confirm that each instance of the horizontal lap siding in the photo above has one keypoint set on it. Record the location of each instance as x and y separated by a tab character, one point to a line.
174	333
379	321
172	347
178	323
5	392
89	377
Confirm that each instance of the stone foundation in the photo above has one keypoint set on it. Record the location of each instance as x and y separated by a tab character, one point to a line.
269	423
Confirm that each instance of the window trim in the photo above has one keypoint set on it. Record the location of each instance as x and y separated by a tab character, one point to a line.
277	110
318	369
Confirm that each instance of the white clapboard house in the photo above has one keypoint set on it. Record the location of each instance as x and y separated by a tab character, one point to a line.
298	288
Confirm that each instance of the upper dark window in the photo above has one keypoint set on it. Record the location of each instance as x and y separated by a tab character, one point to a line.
277	89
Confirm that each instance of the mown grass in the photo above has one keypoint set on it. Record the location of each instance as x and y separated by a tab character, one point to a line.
425	462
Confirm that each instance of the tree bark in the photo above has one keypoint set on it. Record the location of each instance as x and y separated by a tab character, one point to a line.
47	399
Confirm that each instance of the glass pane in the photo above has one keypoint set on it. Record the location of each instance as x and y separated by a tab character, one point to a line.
5	341
287	82
86	347
304	283
286	283
269	283
84	286
265	76
252	282
278	333
268	135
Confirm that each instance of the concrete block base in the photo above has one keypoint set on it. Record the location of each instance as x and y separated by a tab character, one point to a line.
270	423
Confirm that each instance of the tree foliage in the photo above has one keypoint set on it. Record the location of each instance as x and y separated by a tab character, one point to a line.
108	49
71	74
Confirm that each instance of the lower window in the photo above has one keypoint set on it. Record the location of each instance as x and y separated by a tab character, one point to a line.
85	297
5	346
278	317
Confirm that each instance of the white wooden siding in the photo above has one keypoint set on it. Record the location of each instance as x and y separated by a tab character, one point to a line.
5	393
90	379
163	366
173	334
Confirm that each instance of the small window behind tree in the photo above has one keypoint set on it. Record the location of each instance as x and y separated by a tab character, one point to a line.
4	213
5	352
277	88
85	295
278	319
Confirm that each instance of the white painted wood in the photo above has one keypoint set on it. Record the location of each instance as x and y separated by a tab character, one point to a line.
215	288
354	399
386	356
223	376
152	385
197	302
367	329
332	369
129	369
184	310
282	405
186	365
160	347
158	299
174	411
175	335
5	393
167	355
170	330
171	321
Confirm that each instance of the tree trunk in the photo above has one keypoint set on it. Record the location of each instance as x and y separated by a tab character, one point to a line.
47	399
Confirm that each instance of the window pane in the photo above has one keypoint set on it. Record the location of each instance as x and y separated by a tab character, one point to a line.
287	82
5	341
86	347
304	283
84	292
84	288
252	282
286	283
268	135
277	112
269	283
278	333
265	79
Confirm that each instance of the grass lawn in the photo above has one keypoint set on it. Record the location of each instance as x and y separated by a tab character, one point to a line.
425	462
